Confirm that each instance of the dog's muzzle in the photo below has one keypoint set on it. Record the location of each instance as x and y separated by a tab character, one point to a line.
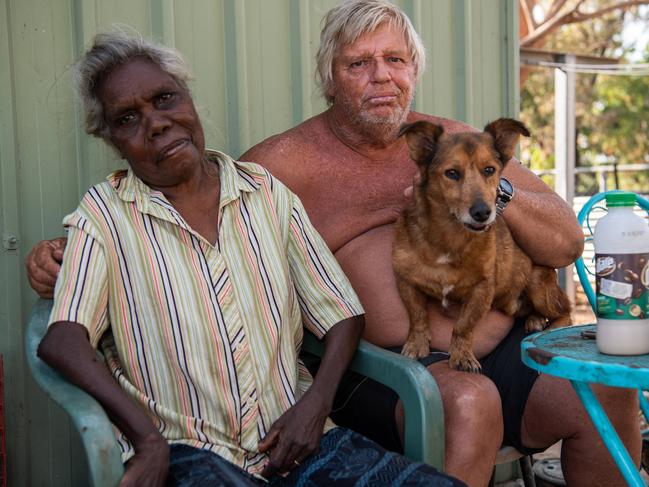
480	217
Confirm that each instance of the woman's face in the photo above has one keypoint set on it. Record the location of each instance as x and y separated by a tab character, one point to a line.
152	123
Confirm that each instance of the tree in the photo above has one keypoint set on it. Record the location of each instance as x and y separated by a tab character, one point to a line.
553	14
612	111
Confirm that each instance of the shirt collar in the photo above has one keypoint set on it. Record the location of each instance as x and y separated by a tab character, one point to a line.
235	177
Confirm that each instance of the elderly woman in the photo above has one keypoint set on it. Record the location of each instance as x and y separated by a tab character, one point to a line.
194	274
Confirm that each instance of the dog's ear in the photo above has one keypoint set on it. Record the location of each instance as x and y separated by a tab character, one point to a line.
421	138
506	132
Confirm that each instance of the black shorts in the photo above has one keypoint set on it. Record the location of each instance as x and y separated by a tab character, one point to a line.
367	406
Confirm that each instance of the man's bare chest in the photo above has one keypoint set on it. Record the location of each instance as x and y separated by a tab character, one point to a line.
345	198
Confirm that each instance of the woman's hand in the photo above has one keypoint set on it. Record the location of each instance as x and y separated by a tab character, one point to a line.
297	432
150	464
295	435
43	265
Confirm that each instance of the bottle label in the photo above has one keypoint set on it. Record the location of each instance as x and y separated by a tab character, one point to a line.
622	283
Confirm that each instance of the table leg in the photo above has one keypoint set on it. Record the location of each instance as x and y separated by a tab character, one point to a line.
608	434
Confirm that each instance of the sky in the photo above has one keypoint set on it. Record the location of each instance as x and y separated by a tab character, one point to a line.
637	33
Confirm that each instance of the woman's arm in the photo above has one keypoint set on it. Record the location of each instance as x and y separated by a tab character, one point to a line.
340	343
296	434
66	348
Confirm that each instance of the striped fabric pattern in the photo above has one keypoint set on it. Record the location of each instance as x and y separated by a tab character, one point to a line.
206	338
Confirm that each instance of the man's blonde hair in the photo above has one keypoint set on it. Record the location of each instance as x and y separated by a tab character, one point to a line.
345	24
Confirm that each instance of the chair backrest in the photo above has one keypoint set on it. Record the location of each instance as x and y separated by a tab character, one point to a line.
592	210
88	417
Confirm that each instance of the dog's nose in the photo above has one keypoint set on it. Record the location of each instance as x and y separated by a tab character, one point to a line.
480	211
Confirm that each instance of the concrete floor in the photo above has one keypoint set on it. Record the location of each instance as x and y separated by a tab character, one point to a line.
553	452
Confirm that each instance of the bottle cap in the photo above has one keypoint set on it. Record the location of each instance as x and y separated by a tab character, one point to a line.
620	198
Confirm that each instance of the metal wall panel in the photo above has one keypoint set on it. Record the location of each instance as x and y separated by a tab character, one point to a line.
253	61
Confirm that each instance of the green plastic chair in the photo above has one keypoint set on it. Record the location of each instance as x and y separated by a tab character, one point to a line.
412	382
88	417
424	428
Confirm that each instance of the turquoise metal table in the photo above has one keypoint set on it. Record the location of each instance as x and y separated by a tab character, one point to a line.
565	353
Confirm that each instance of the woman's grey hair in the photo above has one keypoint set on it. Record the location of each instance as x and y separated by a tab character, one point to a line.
345	24
112	49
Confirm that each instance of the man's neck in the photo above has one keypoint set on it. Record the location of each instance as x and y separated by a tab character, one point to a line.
374	141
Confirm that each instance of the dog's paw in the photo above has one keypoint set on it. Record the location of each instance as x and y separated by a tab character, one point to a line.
416	348
560	322
511	308
535	323
465	362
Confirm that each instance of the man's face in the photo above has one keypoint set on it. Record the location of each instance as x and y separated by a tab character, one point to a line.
374	78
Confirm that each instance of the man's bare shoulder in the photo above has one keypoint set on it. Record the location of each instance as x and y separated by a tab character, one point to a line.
276	151
450	126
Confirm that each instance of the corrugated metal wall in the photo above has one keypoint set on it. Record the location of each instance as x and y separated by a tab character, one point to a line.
254	65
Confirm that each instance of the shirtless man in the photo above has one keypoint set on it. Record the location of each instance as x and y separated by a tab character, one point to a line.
351	171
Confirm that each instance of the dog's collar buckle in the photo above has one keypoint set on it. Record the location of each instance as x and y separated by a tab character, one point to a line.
504	196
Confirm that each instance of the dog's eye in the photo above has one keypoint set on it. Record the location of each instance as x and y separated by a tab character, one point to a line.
452	174
489	170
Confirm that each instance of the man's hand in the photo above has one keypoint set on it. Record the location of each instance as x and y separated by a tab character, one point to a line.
295	435
149	465
410	189
43	265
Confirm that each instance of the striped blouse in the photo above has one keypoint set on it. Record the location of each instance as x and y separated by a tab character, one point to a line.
205	338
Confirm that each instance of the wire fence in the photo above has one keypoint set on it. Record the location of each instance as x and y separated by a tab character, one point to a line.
602	171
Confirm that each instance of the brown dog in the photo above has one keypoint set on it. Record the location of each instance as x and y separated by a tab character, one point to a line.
451	245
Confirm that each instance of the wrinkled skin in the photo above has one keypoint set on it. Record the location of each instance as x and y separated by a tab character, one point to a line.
43	265
295	435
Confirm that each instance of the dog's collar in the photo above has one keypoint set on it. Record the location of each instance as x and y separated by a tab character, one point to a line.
504	196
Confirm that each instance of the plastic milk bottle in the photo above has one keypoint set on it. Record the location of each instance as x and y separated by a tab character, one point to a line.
622	278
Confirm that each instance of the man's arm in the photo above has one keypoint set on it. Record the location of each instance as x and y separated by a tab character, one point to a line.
541	222
296	434
43	265
66	348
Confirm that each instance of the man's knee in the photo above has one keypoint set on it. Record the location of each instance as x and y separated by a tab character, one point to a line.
617	397
471	402
554	412
621	405
552	391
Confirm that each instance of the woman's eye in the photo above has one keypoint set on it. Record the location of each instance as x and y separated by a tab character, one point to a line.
125	119
452	174
489	170
357	64
394	59
165	97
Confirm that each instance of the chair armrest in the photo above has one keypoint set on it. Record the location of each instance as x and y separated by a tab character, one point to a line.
87	415
424	428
